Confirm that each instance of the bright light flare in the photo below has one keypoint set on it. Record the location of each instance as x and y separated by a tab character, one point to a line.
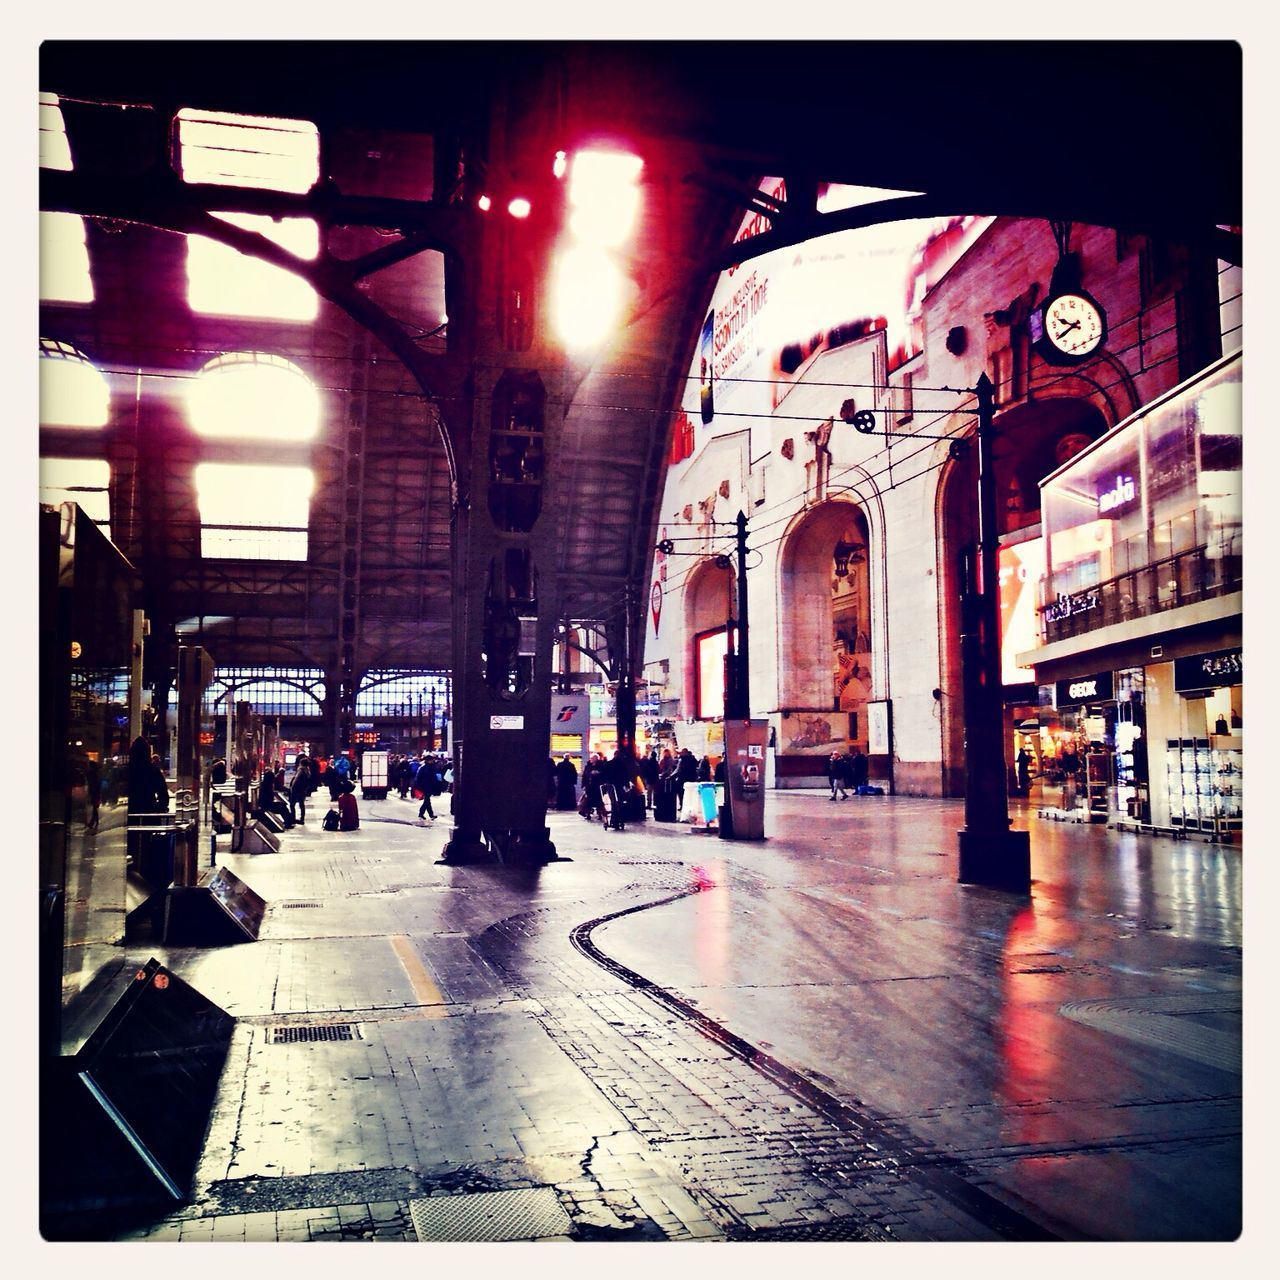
589	291
484	204
604	196
519	207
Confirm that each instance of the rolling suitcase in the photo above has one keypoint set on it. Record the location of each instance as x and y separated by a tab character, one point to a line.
664	802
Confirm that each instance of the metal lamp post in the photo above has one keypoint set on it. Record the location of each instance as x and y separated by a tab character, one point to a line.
990	853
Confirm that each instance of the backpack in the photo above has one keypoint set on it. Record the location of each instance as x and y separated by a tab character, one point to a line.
330	822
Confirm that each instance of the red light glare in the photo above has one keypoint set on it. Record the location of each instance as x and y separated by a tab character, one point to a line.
519	207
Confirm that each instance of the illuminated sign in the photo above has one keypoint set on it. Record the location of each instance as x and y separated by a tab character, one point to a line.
1099	688
364	738
1120	494
1021	566
1068	606
711	650
1209	670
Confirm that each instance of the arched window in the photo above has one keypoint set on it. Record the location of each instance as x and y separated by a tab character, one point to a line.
254	395
72	392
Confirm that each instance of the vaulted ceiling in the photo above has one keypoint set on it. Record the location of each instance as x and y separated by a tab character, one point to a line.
1140	136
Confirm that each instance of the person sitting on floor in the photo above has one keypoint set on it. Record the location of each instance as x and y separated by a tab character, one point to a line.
348	810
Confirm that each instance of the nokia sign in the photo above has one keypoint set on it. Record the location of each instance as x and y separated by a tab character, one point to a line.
1079	689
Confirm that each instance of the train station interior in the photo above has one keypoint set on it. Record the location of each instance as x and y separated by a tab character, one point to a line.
443	441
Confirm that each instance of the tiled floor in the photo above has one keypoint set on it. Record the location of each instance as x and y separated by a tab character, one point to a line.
818	1036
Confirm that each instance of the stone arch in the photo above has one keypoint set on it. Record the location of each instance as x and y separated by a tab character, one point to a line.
1032	439
709	600
825	646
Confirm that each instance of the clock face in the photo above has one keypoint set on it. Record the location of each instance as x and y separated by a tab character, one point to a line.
1074	325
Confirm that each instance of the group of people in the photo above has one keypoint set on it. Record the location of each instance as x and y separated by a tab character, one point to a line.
427	775
846	772
646	774
287	796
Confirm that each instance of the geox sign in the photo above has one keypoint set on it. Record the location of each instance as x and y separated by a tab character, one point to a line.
1080	689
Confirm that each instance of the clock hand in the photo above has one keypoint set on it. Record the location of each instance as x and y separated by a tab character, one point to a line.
1066	328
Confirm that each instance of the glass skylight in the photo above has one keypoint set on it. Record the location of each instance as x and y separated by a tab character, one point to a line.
253	512
72	392
247	151
223	281
64	259
82	480
254	395
55	150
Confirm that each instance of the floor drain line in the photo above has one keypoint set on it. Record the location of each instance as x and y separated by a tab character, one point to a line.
947	1179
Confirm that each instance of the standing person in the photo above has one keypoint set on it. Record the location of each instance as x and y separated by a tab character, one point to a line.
593	775
566	784
218	773
858	766
704	769
1024	770
426	780
837	776
93	792
649	776
300	789
686	771
335	782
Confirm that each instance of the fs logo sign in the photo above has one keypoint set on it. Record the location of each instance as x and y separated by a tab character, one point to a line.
568	712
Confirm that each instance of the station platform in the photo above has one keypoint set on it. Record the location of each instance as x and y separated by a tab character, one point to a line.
664	1036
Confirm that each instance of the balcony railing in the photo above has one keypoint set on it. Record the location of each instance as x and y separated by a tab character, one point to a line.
1186	578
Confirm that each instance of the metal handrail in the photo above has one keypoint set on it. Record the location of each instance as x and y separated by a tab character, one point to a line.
1184	578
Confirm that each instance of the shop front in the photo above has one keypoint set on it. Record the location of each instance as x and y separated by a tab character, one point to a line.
1141	618
1204	762
1079	738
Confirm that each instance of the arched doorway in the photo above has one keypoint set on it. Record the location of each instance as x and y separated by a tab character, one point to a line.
709	600
1031	440
824	643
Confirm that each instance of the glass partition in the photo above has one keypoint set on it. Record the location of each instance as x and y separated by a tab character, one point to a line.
1150	517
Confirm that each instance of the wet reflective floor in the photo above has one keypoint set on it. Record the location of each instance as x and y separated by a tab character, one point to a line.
666	1036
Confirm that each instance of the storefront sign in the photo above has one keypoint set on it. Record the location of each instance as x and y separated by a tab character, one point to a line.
1069	606
1119	495
1209	670
1099	688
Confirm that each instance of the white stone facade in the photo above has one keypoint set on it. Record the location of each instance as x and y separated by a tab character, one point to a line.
778	450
